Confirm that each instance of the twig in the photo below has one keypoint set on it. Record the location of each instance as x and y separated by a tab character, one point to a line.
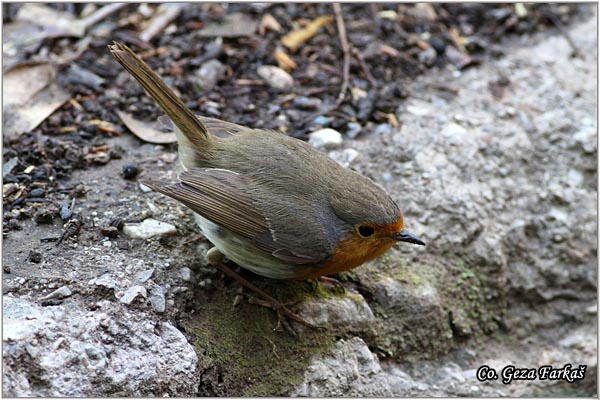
101	13
273	348
165	14
364	67
345	48
554	19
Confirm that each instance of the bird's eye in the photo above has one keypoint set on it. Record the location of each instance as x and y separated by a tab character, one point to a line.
365	231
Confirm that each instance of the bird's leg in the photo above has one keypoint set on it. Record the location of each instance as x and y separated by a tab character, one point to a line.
215	257
332	281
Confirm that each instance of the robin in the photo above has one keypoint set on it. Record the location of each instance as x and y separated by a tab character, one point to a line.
271	203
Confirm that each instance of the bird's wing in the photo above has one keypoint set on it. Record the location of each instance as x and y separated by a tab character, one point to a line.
223	197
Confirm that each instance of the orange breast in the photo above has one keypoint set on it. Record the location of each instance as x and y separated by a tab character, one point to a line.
351	253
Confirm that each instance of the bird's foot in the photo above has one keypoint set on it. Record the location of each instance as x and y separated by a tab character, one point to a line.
283	315
333	282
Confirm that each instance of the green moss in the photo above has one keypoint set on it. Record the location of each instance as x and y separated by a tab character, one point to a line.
250	358
305	290
465	294
408	275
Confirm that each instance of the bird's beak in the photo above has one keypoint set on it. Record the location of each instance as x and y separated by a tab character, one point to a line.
405	236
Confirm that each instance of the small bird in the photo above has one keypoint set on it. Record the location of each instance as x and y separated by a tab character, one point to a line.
271	203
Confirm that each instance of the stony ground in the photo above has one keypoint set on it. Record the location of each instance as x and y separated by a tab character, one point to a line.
495	167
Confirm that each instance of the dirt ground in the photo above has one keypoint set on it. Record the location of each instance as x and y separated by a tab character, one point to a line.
493	162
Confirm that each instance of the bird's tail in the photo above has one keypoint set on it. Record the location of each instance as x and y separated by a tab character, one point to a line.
188	124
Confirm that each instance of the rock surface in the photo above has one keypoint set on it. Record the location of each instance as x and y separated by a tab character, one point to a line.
64	351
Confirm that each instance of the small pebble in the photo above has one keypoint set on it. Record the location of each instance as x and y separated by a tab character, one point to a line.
178	289
157	298
130	294
78	75
148	228
209	73
344	157
59	293
65	212
276	77
325	138
110	231
35	256
186	274
6	269
105	281
37	192
383	129
307	103
428	56
205	283
354	128
43	216
130	171
9	165
144	276
322	120
593	309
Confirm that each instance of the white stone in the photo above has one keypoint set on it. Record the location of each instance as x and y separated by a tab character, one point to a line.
276	77
143	276
325	138
209	74
418	108
187	274
344	157
575	178
59	293
157	298
148	228
131	293
454	130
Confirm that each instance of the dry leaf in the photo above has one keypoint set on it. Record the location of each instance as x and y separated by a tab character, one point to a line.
388	14
284	61
358	93
148	132
105	126
36	22
268	22
458	40
389	51
392	120
30	95
11	192
298	37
